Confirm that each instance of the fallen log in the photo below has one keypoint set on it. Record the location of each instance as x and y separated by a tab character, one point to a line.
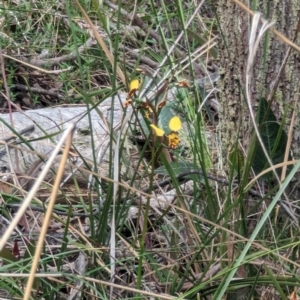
31	137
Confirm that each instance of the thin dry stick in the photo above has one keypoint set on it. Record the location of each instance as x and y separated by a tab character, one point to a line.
273	167
283	174
8	101
102	43
127	288
44	229
288	146
139	22
142	58
282	67
262	20
173	47
115	192
271	96
6	87
57	60
34	189
253	46
23	87
205	221
36	68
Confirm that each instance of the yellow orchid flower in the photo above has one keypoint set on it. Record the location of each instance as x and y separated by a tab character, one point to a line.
183	83
133	86
158	131
173	139
175	124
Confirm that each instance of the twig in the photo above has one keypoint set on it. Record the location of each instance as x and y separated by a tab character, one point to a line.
142	58
100	40
139	22
67	139
23	87
58	212
136	20
182	178
32	192
8	99
57	60
36	67
25	130
6	87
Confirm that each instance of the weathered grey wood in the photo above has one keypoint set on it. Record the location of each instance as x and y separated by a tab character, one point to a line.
48	121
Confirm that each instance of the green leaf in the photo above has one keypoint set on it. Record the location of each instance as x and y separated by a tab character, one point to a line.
144	88
177	167
7	256
201	41
14	290
155	94
236	159
273	137
166	114
29	253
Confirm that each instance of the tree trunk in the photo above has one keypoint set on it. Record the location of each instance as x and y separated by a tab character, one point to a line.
235	26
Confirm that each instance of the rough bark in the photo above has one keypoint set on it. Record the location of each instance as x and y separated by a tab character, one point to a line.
235	25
